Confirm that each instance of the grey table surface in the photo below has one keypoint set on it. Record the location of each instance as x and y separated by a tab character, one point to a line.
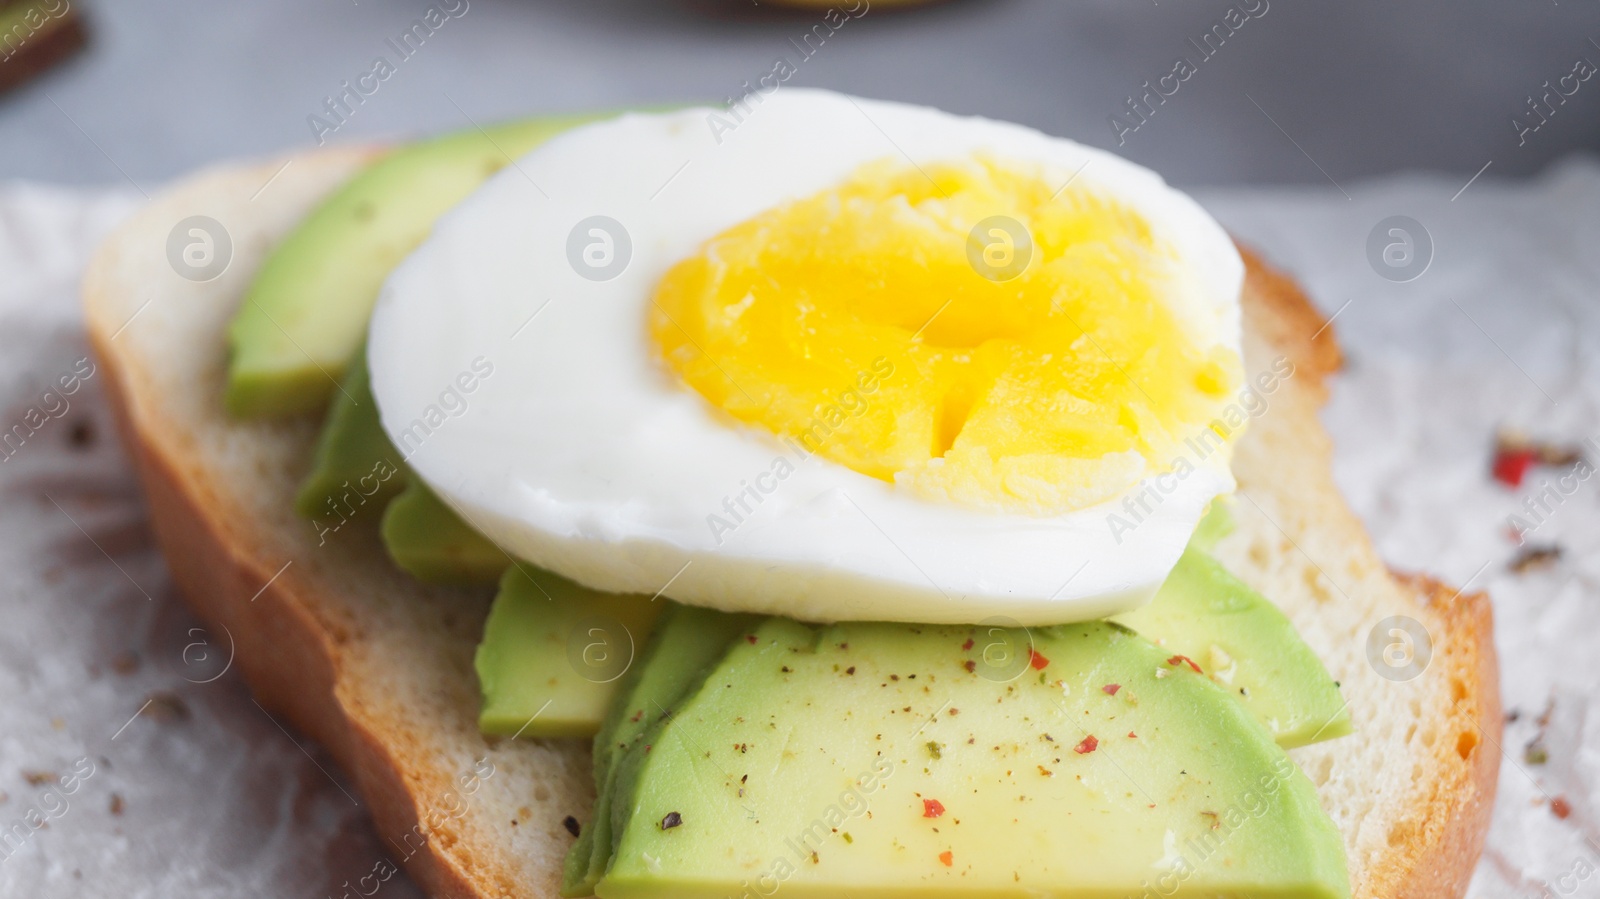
1301	92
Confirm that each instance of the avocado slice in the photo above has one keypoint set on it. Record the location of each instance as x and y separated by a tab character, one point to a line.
553	654
687	643
355	466
1215	525
1247	646
430	542
870	761
306	313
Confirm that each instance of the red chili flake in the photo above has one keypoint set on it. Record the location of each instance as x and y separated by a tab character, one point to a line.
1089	744
1515	454
1036	660
1111	689
970	665
1175	661
1511	465
948	857
1560	808
751	638
1132	735
967	645
932	808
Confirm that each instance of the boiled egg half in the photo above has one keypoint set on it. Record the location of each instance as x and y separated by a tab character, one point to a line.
823	357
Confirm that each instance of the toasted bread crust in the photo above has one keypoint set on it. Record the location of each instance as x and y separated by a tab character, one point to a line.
1452	818
1282	313
289	659
296	654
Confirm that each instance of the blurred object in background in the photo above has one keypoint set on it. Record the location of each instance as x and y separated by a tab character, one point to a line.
35	35
1266	91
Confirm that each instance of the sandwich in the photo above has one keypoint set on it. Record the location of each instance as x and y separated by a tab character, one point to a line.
820	495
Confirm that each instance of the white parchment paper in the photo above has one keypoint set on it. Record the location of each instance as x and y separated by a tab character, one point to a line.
123	732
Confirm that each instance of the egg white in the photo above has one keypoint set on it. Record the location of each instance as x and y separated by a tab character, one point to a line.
580	452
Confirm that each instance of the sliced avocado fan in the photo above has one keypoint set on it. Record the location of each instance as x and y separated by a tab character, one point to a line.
879	761
687	642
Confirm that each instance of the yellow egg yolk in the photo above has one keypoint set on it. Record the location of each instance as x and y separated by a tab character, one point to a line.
893	324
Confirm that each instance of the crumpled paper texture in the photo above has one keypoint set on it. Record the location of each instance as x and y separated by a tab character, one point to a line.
155	774
122	730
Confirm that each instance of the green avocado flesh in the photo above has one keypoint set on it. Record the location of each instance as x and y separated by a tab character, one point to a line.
1247	646
430	541
306	313
1217	524
871	760
355	464
356	467
553	652
686	644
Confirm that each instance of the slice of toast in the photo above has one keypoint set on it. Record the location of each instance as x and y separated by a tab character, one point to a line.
378	668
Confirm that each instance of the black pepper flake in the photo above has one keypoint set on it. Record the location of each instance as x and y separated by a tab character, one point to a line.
673	819
167	707
81	436
571	824
1535	557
